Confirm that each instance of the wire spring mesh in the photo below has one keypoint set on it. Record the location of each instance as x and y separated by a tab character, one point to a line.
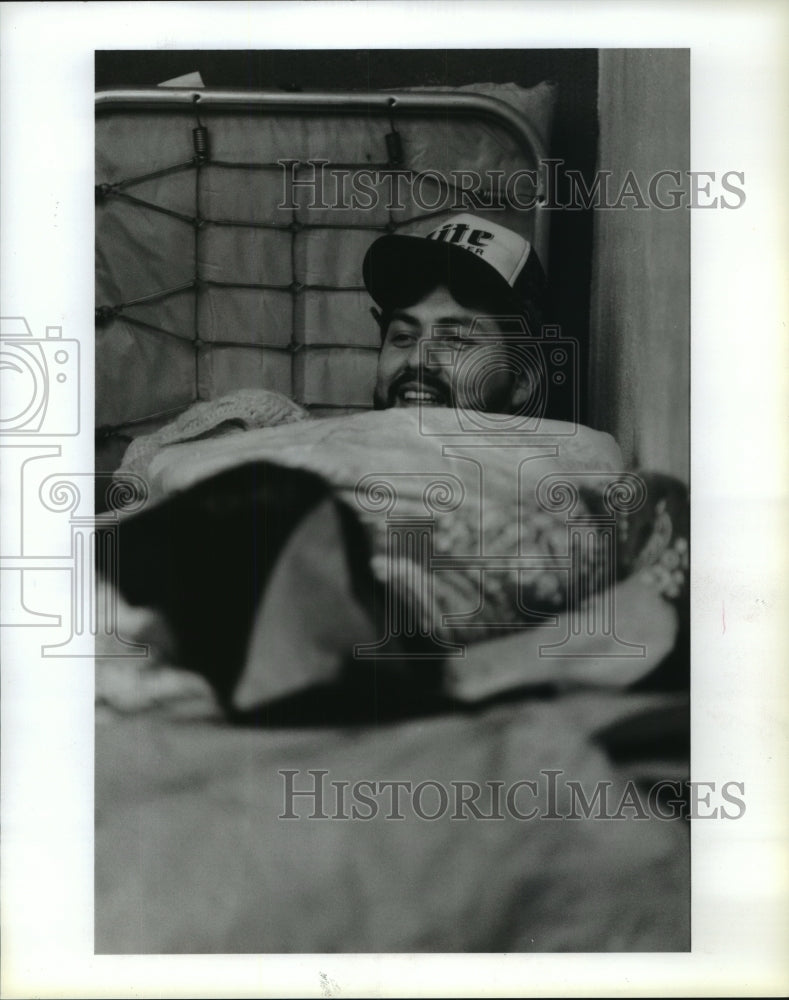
107	313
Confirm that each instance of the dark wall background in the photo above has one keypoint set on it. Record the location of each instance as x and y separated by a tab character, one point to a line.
575	125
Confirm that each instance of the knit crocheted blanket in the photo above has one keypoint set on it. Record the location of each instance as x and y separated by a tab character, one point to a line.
243	410
492	502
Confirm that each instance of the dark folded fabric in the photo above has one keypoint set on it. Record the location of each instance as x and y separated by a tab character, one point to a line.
203	558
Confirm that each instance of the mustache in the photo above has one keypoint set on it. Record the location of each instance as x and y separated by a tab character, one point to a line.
426	379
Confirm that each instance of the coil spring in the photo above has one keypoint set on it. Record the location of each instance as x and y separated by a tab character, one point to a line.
200	141
394	147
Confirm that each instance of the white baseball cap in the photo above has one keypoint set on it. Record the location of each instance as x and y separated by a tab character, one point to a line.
476	259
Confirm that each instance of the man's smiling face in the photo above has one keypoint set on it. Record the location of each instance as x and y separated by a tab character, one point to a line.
427	358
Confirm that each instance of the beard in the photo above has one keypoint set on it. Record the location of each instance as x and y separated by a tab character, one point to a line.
413	389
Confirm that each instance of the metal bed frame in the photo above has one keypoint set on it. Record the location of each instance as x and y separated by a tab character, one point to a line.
383	104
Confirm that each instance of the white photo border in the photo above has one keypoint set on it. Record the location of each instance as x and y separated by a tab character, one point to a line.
739	478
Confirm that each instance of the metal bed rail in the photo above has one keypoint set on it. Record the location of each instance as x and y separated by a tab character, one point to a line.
386	105
383	103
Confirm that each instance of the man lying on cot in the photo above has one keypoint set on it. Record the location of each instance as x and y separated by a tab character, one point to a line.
315	549
458	308
432	289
